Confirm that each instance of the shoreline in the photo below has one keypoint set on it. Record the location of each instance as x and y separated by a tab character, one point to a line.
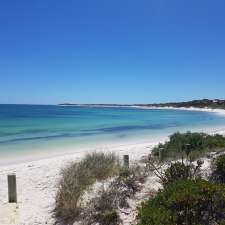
119	148
206	109
37	181
37	185
68	151
78	152
210	110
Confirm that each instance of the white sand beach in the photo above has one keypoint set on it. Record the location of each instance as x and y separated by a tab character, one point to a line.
37	182
218	111
37	185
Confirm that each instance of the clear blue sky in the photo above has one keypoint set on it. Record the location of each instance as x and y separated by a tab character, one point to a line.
120	51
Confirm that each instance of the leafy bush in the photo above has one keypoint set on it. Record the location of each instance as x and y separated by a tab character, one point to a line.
77	177
191	144
218	170
179	171
184	203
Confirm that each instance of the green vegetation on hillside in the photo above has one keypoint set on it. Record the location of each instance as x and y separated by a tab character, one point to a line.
192	144
204	103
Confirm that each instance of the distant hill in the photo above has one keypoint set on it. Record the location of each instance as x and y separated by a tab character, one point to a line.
204	103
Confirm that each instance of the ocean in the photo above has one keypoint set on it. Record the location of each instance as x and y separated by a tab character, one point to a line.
26	130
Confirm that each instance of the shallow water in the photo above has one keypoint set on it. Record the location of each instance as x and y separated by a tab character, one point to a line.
25	129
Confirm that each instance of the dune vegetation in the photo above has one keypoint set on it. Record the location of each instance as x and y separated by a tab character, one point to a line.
77	179
192	144
196	202
186	197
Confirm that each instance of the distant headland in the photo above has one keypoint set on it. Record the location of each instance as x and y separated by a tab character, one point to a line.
203	103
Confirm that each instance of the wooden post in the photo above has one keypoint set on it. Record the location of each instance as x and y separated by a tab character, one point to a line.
12	193
126	161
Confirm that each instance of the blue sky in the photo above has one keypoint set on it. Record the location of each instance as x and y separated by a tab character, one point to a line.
120	51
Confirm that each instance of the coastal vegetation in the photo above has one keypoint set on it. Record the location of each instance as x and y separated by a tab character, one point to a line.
77	178
218	170
186	196
103	207
189	144
204	103
185	202
179	171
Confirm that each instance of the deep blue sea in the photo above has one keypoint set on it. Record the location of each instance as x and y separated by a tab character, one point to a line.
29	129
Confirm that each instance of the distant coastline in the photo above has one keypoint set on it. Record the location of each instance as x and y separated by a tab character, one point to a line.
45	164
96	105
66	130
202	105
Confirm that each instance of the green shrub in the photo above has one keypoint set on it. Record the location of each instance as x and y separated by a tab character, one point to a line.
179	171
189	144
76	179
218	170
152	215
185	203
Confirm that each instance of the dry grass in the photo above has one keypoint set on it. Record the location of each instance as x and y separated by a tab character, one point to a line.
103	209
77	178
102	165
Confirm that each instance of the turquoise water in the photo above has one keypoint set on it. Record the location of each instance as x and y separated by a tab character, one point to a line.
25	129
